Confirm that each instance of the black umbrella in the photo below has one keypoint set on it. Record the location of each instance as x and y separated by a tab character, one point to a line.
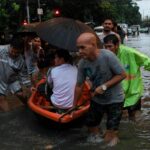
62	32
29	27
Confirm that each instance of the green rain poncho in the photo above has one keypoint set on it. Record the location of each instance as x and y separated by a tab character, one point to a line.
132	60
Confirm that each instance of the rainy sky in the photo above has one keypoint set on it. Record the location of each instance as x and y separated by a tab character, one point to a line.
144	7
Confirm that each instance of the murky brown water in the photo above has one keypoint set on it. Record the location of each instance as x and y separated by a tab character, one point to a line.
19	129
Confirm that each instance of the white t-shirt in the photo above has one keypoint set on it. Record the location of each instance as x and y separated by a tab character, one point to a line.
64	79
102	36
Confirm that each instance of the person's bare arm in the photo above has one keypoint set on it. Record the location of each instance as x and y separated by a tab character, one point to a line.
77	94
116	79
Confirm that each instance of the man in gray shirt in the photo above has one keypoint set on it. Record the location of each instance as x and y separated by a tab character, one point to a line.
105	73
13	72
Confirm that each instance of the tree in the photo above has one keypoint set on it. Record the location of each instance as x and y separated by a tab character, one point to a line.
8	16
81	10
124	11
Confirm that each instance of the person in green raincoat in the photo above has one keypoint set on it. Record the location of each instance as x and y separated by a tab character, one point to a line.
132	60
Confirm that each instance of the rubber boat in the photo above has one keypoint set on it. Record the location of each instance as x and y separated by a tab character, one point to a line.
39	105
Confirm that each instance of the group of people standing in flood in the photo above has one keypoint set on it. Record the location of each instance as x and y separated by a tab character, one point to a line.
113	71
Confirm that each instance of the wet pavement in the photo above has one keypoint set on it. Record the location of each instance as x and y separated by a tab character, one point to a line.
20	129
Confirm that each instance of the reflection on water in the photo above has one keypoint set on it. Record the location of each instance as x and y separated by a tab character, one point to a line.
140	42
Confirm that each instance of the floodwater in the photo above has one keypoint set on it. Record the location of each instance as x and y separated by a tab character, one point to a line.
21	130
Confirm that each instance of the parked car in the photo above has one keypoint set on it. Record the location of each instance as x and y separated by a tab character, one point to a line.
129	31
135	29
124	26
144	30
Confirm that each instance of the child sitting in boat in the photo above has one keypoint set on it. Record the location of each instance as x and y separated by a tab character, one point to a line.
62	79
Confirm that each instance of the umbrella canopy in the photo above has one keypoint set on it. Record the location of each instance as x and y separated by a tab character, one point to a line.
62	32
28	27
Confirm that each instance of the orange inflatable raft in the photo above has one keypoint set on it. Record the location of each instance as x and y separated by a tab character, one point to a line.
41	106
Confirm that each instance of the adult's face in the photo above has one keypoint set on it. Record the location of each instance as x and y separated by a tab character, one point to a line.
86	50
13	52
108	25
36	42
112	47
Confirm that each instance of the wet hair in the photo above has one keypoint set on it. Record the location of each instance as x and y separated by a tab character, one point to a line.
62	53
47	61
17	43
113	22
111	38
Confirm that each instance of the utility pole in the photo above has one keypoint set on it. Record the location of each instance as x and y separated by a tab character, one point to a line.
28	11
39	10
143	15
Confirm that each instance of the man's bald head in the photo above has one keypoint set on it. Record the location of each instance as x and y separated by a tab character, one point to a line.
87	45
87	37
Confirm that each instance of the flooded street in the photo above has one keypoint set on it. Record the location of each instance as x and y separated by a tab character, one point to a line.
21	130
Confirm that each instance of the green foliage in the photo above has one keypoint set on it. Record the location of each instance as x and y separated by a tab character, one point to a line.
15	6
8	13
49	15
124	11
108	9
